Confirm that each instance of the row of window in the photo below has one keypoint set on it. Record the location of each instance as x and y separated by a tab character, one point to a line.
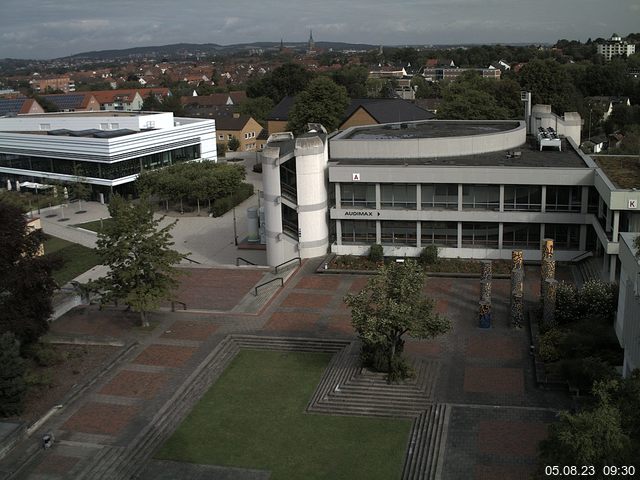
474	197
445	234
108	171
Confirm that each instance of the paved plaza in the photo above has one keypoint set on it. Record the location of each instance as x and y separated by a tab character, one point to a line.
496	414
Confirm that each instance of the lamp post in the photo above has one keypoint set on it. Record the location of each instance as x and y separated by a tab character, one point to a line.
235	231
590	110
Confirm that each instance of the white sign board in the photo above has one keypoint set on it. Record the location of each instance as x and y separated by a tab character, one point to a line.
632	203
355	177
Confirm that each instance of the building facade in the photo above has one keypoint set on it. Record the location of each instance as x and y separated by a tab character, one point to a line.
615	47
628	316
106	150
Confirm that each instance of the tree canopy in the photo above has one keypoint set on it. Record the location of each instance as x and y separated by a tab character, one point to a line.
391	305
139	256
286	80
26	284
321	102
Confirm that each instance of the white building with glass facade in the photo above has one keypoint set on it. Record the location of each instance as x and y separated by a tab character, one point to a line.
476	189
108	150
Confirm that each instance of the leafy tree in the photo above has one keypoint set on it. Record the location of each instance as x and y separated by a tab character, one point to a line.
288	79
550	84
139	256
12	369
26	284
391	305
258	108
461	103
354	79
233	144
151	103
321	102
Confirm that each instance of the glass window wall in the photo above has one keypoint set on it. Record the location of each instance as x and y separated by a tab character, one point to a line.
563	199
398	233
361	195
521	235
358	232
444	234
480	235
565	237
439	196
522	198
398	195
481	197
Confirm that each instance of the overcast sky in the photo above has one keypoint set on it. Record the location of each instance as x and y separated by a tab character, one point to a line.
54	28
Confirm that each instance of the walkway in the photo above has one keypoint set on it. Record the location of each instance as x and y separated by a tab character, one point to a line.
490	415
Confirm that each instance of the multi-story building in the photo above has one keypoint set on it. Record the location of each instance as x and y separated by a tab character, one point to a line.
447	73
627	323
615	47
65	84
242	127
106	150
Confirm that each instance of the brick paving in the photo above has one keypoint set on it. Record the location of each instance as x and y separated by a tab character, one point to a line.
190	330
131	383
165	355
494	380
215	288
484	374
56	465
101	418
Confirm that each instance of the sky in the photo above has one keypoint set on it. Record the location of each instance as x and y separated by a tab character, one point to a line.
43	29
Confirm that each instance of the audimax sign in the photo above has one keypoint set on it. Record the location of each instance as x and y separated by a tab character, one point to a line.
360	213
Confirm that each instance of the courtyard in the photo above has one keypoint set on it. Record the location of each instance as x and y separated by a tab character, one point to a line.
185	397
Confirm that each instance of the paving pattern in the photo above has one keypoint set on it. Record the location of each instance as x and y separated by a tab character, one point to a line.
477	412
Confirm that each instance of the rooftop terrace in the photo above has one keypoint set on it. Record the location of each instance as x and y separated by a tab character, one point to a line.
526	155
430	129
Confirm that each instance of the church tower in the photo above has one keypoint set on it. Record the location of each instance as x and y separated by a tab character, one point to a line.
311	46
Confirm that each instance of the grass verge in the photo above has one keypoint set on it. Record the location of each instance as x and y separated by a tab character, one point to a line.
253	417
77	259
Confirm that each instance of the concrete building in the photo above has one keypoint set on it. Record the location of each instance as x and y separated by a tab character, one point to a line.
74	102
615	47
64	83
628	316
108	150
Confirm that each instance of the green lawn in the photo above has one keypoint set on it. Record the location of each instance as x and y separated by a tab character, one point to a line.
94	226
253	417
77	258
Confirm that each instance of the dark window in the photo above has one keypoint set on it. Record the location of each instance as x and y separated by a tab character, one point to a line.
481	197
288	180
443	234
565	237
521	235
563	199
480	235
523	198
358	195
439	196
594	198
398	195
289	221
398	233
358	232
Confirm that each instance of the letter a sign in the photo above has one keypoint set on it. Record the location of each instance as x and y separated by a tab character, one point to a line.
355	177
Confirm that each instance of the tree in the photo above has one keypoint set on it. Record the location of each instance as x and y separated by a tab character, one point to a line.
288	79
391	305
151	103
233	144
550	84
321	102
12	368
139	256
354	79
258	108
26	284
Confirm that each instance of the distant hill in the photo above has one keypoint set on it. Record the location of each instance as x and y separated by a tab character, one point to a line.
207	48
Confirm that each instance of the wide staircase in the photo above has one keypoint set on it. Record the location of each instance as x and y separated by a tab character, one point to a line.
588	269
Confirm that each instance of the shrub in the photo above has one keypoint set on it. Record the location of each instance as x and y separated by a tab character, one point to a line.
12	384
233	144
429	255
598	298
221	149
566	303
549	345
582	372
44	355
224	204
376	253
257	168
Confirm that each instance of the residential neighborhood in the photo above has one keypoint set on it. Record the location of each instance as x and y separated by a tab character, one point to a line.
315	258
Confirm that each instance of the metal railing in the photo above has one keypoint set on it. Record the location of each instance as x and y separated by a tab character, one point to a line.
173	305
244	260
192	261
267	283
288	261
582	256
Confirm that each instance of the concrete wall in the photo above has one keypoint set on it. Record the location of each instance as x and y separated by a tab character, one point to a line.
311	166
569	125
85	121
359	117
627	323
344	147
